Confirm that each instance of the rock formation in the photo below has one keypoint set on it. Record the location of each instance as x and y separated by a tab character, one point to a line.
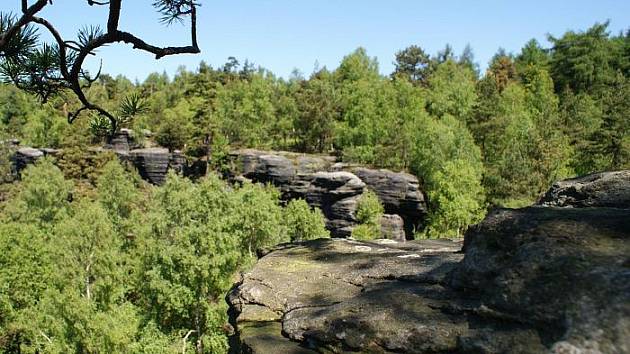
26	155
334	187
152	163
607	189
532	280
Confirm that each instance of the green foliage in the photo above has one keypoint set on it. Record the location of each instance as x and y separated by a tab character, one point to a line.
43	194
369	212
455	194
303	222
413	64
117	192
79	164
449	165
190	258
317	103
451	91
44	128
175	128
260	218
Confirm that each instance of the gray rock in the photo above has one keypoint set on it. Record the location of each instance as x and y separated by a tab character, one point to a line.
24	157
294	175
351	295
120	142
534	280
399	192
393	227
606	189
337	195
152	163
562	271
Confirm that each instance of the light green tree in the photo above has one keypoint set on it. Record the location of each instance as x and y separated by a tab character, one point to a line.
303	222
369	212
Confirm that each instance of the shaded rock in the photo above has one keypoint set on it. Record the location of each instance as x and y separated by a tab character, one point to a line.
121	141
23	157
561	271
177	162
534	280
337	195
399	192
294	174
393	227
152	163
606	189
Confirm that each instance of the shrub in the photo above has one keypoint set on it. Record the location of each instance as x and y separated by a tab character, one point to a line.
369	212
304	223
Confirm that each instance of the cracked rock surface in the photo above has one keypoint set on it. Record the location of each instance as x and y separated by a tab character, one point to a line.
533	280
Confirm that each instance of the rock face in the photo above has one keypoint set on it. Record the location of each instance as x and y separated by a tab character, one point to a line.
152	163
337	195
607	189
532	280
399	192
564	272
333	186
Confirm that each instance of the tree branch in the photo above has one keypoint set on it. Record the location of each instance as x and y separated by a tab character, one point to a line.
27	16
72	73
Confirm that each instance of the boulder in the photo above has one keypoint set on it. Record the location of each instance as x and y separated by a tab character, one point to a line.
563	272
393	227
606	189
532	280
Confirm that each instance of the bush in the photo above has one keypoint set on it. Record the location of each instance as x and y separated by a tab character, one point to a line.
304	223
42	195
369	213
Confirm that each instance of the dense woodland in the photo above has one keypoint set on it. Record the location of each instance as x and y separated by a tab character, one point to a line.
95	261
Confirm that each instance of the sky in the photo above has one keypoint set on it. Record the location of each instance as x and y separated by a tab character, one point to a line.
284	35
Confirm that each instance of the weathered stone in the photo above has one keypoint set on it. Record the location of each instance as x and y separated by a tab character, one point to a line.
294	175
393	227
606	189
534	280
337	195
351	295
24	157
121	141
399	192
152	163
562	271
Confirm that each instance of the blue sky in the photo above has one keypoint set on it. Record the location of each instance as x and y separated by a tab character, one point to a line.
281	35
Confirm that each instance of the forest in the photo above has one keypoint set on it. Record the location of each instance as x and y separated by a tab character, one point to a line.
100	262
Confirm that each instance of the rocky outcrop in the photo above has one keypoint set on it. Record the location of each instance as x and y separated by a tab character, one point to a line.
26	155
154	163
399	192
532	280
121	142
607	189
351	296
337	195
563	272
300	175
